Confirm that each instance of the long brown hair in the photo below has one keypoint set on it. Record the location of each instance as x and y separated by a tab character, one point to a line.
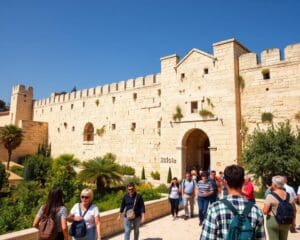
54	201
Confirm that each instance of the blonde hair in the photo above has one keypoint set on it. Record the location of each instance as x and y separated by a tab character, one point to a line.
89	192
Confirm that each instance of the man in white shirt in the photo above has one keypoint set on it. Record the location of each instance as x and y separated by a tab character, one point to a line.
289	189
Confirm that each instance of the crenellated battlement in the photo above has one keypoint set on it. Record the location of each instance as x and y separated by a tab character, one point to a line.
130	84
269	57
21	89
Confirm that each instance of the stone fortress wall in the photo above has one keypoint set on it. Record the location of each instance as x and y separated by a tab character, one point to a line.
116	108
279	94
137	115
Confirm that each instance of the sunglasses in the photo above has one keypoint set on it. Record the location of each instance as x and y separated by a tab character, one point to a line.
130	189
85	197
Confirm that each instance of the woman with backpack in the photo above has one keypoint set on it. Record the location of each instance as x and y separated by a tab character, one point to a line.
85	218
51	219
280	209
174	197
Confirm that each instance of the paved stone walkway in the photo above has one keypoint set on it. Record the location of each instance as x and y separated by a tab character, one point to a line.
166	228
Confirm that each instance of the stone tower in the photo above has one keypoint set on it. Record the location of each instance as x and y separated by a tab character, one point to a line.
21	104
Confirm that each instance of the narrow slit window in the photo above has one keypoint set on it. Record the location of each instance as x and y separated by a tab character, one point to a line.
194	107
182	76
134	96
205	71
266	74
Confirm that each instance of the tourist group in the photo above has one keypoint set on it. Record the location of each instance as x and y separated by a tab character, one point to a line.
226	203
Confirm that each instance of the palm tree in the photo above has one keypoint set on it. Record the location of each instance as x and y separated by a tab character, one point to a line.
101	171
11	136
67	162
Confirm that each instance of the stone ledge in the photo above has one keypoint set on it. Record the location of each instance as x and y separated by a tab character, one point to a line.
109	224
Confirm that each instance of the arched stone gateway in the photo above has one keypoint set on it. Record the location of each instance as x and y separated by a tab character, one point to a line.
195	151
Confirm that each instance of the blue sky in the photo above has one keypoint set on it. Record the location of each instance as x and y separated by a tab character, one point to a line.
58	44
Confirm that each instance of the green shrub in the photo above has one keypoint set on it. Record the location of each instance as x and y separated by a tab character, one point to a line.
177	116
162	188
17	170
241	82
18	211
155	175
260	194
36	168
147	192
109	201
266	117
127	170
206	113
133	179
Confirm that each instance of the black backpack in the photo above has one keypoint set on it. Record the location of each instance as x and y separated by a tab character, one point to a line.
285	211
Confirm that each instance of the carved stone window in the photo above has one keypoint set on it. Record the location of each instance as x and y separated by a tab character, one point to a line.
88	134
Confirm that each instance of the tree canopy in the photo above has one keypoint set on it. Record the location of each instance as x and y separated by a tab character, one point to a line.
63	175
36	168
3	106
275	151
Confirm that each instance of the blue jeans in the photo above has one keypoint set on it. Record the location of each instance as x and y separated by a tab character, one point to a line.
136	225
202	205
91	234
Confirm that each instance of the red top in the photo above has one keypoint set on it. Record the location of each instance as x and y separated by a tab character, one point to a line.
248	190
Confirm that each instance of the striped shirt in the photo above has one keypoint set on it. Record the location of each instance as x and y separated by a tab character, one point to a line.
204	187
216	224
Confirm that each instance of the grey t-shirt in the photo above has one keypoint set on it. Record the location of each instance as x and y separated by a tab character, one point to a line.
61	213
